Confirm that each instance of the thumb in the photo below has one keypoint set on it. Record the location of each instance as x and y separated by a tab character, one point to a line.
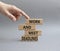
12	17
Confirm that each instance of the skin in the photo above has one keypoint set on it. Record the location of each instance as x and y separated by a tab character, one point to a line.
12	11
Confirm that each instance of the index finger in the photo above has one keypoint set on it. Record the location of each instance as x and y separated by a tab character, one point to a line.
22	12
25	15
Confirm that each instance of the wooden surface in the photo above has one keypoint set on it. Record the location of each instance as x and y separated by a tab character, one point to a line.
35	21
29	38
26	27
33	32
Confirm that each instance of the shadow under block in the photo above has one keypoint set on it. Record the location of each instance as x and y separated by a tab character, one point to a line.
29	38
33	32
26	27
34	21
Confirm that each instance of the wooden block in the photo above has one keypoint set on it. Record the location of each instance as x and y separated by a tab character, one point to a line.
26	27
29	38
34	21
33	32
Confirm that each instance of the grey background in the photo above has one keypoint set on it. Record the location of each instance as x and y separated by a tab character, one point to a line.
49	10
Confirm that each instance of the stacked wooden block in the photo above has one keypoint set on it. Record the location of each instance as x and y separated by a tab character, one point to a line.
31	34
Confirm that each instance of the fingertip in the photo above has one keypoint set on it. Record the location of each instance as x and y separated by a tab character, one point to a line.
28	17
14	19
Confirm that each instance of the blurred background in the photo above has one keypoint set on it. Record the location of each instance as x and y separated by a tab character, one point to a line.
48	10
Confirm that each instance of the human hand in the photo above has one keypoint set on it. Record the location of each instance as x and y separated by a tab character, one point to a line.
12	11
